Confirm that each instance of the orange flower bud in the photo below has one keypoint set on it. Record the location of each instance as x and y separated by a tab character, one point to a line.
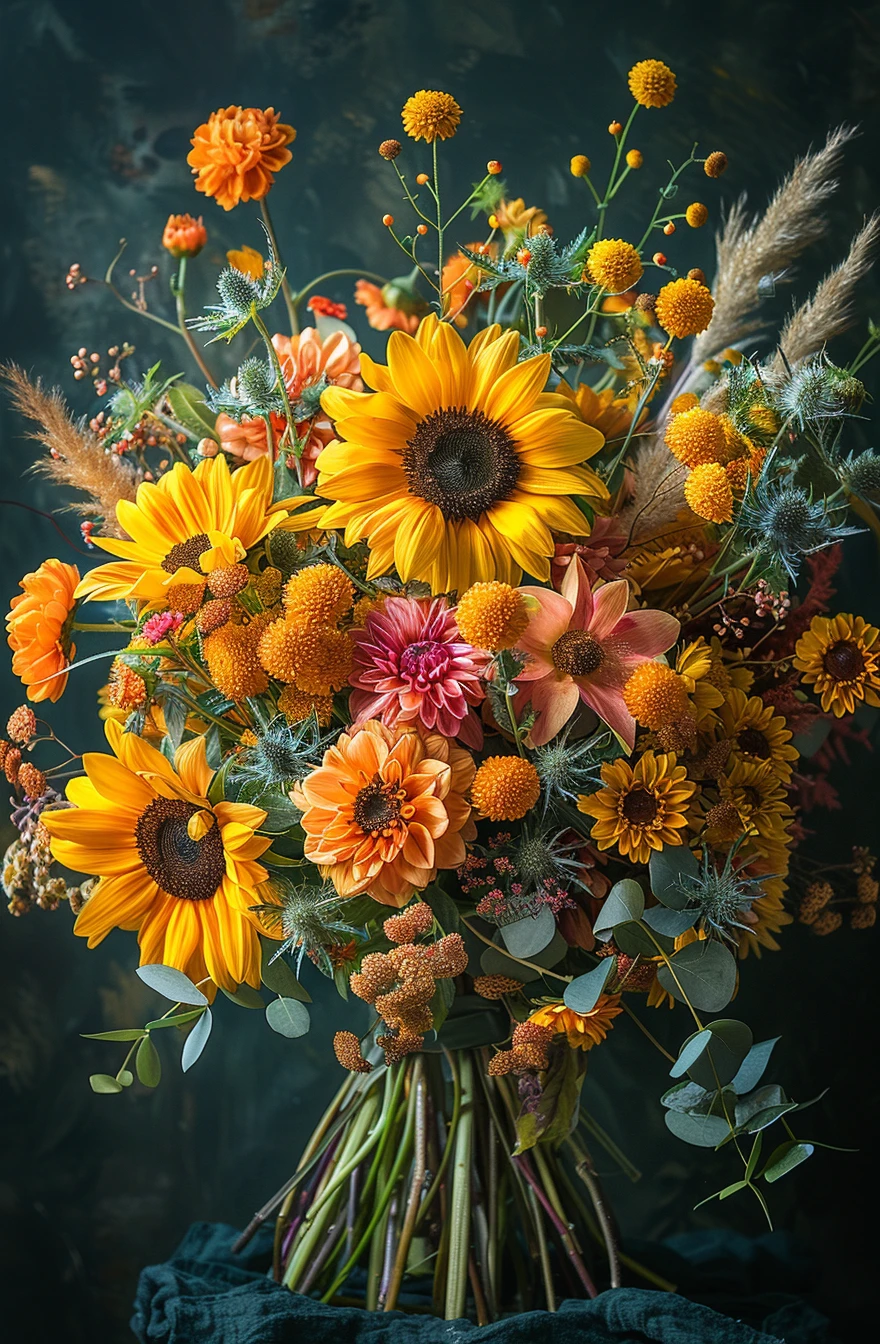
614	128
422	179
493	167
659	258
540	332
388	220
184	236
422	229
669	229
523	256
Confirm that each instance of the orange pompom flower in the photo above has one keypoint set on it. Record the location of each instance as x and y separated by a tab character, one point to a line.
709	493
38	629
184	236
237	152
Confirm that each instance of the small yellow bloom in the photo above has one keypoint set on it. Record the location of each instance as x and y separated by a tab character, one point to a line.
840	657
708	492
614	264
581	1030
505	788
634	158
247	260
684	307
580	165
696	215
492	616
696	436
431	115
656	695
652	84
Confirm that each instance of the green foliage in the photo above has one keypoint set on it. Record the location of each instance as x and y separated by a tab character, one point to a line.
551	1118
702	974
190	410
583	993
289	1017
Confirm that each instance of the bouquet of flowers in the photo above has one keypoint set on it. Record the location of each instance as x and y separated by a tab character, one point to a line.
490	681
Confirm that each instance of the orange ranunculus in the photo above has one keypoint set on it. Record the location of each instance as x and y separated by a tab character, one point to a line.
237	152
385	810
380	314
306	361
184	236
38	627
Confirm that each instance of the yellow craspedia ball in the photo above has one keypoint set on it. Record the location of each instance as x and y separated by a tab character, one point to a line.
696	436
233	662
734	443
580	165
634	158
708	492
430	115
684	307
685	401
652	84
318	595
505	788
492	616
316	658
656	695
715	164
764	419
614	264
297	705
696	215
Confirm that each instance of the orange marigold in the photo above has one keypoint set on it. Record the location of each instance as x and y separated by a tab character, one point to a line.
384	310
38	629
708	492
184	236
237	152
696	436
505	788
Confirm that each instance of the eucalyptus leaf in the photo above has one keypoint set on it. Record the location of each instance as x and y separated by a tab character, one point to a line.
754	1155
278	976
526	937
471	1022
752	1068
148	1063
104	1084
178	1020
126	1034
690	1052
668	868
196	1040
771	1094
687	1096
767	1117
289	1017
732	1189
444	908
785	1158
625	901
706	973
245	996
731	1041
670	922
703	1131
125	1077
172	984
634	940
584	993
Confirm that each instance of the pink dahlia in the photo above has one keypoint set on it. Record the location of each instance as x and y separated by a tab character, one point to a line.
307	363
583	645
411	665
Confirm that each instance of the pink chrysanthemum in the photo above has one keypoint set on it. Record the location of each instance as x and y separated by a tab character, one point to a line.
160	624
412	666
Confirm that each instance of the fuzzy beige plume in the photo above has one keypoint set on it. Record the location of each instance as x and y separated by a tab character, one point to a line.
830	311
658	500
75	458
747	251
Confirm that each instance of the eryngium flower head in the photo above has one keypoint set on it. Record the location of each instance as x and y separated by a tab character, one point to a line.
540	854
240	297
253	391
284	752
817	391
306	919
725	897
568	769
860	475
785	523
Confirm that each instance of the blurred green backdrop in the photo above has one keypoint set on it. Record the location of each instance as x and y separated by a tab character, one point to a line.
98	106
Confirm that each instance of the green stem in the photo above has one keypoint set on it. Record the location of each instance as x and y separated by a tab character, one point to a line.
621	141
418	1092
279	378
331	275
460	1204
440	229
178	288
285	283
566	979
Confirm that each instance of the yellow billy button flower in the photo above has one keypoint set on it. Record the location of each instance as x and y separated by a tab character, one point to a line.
492	616
505	788
652	84
431	115
684	307
709	493
696	436
614	264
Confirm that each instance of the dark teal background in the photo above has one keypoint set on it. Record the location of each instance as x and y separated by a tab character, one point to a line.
97	109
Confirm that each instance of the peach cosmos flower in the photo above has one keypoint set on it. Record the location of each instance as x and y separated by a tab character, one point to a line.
307	362
583	645
412	666
38	628
237	152
380	315
385	810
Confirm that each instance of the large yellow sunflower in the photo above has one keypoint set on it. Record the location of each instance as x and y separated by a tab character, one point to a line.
179	869
188	524
459	464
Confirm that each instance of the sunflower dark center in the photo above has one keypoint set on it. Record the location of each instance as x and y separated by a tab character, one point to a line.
185	554
461	461
640	807
577	653
191	870
377	807
754	743
844	661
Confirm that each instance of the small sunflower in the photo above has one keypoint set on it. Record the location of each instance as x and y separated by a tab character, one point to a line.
455	470
642	807
581	1030
181	870
756	732
840	657
754	790
431	115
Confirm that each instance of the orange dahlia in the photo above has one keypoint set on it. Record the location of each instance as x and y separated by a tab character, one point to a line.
385	810
237	152
38	629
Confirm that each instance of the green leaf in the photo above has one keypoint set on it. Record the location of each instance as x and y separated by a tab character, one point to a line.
731	1041
172	984
634	940
771	1094
526	937
278	976
177	1020
471	1022
441	1001
671	923
754	1155
703	1131
196	1040
706	971
127	1034
125	1077
690	1052
584	993
104	1084
245	996
785	1158
444	908
752	1068
493	960
288	1017
556	1113
280	811
732	1189
189	408
217	787
625	901
667	868
175	712
148	1063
